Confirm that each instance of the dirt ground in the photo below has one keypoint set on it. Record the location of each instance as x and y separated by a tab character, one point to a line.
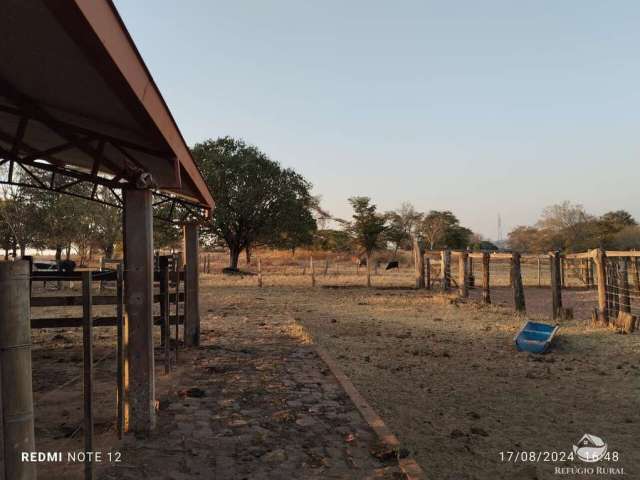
445	378
448	380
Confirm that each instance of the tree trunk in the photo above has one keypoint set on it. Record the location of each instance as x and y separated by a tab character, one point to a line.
68	252
234	255
247	252
367	256
23	250
58	254
6	253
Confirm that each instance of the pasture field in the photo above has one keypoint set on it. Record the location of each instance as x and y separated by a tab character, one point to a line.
447	379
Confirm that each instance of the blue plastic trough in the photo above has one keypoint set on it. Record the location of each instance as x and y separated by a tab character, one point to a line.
535	337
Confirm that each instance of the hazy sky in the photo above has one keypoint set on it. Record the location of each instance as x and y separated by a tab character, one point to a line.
479	107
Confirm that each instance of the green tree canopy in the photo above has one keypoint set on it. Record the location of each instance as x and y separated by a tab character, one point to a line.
256	200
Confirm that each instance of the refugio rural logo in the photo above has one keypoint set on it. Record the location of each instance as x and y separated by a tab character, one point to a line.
590	448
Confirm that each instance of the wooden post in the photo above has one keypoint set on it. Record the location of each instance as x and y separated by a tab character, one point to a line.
472	276
120	353
463	275
87	360
446	269
539	272
176	273
486	290
16	392
313	272
518	288
428	273
326	266
418	263
165	313
192	315
625	298
140	415
615	290
368	257
259	272
601	263
556	282
562	272
636	274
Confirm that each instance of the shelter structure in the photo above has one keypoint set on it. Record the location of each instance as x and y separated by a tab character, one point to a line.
80	114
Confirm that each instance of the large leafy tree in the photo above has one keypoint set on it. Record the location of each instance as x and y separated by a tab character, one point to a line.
442	229
367	229
256	200
402	223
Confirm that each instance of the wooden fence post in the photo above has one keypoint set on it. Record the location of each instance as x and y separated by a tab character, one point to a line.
601	264
427	280
166	312
556	283
625	298
418	263
259	272
16	391
472	276
313	272
562	271
518	289
176	273
636	274
486	290
539	272
87	345
120	353
446	269
463	275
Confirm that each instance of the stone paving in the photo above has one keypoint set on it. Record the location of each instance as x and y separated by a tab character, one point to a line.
254	401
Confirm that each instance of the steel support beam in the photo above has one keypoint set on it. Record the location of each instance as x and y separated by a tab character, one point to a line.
140	415
192	314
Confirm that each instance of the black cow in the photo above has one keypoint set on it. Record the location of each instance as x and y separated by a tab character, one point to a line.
67	266
392	264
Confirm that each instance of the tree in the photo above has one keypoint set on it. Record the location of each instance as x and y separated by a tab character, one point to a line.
255	198
442	229
618	219
525	239
566	225
367	228
402	223
332	240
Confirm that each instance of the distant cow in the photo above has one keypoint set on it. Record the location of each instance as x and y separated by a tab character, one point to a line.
67	266
392	264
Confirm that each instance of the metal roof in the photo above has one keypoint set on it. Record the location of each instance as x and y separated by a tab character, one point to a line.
77	98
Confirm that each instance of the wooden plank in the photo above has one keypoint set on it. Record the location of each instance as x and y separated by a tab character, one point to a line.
76	300
76	322
87	344
623	253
